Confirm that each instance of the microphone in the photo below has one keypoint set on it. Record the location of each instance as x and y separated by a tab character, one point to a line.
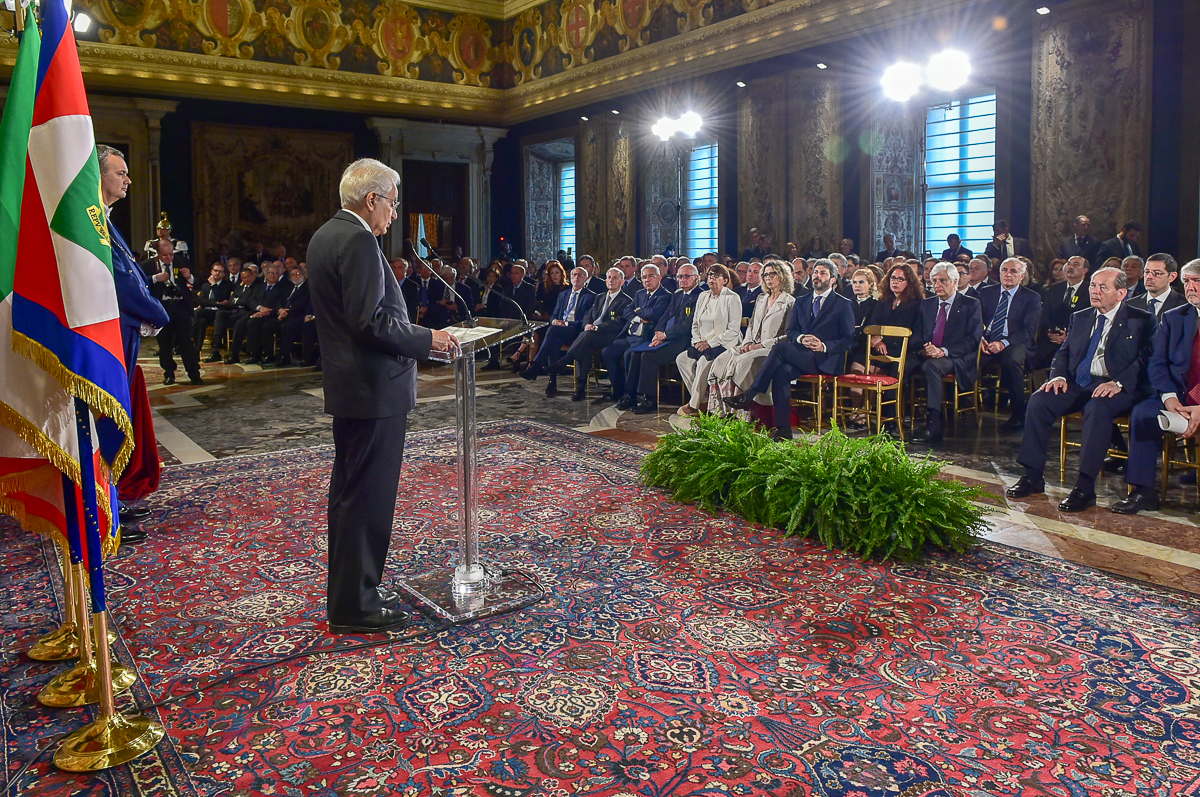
503	295
469	321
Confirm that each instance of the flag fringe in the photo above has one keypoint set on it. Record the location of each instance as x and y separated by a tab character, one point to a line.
58	457
39	525
97	399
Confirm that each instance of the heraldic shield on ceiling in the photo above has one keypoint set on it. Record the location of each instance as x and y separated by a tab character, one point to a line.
528	48
226	25
580	24
629	19
315	29
396	38
129	18
468	48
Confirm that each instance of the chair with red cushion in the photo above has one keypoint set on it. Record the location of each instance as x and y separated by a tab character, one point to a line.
887	391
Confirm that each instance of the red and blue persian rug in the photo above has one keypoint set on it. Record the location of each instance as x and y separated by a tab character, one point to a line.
676	653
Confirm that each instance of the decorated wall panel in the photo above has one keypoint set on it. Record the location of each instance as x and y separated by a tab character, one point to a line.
1091	119
762	152
621	208
816	153
541	207
895	148
591	190
661	184
256	183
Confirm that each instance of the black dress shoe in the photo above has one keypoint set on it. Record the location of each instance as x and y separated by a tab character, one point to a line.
233	360
253	361
493	365
133	534
1025	486
739	402
391	597
383	620
627	402
892	429
133	514
532	372
929	437
556	370
1143	500
1114	465
215	357
778	433
552	389
1077	501
195	380
579	395
168	379
644	406
1013	424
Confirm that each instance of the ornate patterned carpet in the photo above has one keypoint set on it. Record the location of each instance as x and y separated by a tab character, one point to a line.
676	654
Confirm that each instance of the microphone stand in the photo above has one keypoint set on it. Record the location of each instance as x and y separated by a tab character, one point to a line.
470	320
505	297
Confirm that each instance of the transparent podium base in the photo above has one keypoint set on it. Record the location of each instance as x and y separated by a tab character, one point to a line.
439	593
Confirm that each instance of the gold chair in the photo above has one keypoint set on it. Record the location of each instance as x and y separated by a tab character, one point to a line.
817	384
1064	443
877	385
961	395
1190	460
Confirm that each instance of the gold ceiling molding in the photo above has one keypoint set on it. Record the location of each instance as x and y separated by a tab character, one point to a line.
778	28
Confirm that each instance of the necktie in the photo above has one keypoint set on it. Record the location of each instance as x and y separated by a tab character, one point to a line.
570	314
996	328
1193	374
1154	306
939	328
1128	250
1083	377
1078	245
817	306
1070	294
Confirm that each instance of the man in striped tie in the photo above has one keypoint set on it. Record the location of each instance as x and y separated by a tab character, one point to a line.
1174	372
1099	370
1010	316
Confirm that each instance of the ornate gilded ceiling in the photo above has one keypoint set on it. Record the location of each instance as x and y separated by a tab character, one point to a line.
387	56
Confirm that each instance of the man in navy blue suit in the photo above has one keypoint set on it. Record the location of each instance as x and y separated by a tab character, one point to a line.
1099	369
672	335
565	324
820	332
1011	313
641	315
954	249
954	327
1174	372
140	311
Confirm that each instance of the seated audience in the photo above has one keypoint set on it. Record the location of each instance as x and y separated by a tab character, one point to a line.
1055	273
549	287
602	322
978	275
245	297
672	335
641	316
1059	303
211	295
1160	272
521	292
716	326
815	249
846	247
288	324
1174	374
1005	245
890	250
751	288
1011	314
734	370
1100	370
953	328
273	295
899	305
1133	268
819	334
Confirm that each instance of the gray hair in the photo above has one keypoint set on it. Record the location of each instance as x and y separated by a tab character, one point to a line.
104	151
1191	268
650	267
614	268
839	258
1018	261
579	268
1140	262
364	176
1120	282
942	267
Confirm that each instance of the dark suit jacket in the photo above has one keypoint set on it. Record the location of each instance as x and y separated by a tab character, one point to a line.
524	294
209	295
1024	312
1142	302
884	254
834	326
297	300
749	297
964	331
136	303
596	285
411	289
676	320
582	305
369	347
273	296
165	290
614	319
247	297
1019	248
648	307
1056	313
1172	355
1126	351
1114	247
950	254
1088	248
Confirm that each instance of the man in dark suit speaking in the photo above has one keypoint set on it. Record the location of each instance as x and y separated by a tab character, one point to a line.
369	349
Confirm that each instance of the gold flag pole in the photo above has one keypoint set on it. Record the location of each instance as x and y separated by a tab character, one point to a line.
19	16
113	738
61	644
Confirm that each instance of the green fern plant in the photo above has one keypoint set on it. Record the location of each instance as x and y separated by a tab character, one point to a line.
862	495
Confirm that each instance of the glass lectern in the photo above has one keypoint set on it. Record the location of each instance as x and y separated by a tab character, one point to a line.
471	589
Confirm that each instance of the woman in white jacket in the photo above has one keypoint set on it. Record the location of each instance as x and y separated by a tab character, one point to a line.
716	327
734	370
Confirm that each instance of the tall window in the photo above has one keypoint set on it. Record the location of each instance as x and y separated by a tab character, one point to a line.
960	172
566	205
700	201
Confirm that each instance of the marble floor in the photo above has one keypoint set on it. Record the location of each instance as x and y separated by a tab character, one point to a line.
244	409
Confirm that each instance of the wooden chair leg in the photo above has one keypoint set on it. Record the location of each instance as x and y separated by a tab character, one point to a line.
1062	450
